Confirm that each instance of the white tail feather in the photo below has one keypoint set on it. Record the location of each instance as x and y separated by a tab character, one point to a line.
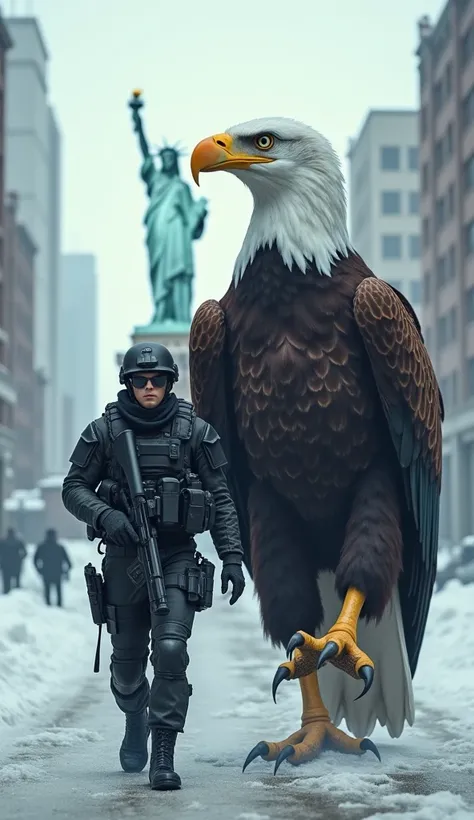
390	700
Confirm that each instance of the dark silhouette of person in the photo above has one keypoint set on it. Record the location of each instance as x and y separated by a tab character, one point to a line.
53	564
12	555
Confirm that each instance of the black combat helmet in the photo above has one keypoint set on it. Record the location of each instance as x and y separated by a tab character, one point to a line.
148	356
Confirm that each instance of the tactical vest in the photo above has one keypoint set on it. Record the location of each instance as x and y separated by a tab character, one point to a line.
165	453
174	494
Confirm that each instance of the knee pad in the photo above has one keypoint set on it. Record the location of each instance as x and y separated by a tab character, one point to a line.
127	677
170	657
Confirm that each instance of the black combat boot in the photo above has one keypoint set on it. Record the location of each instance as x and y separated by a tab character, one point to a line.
134	748
162	773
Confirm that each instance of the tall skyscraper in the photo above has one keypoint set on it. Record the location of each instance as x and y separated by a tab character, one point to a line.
28	412
7	391
32	168
77	347
384	199
446	75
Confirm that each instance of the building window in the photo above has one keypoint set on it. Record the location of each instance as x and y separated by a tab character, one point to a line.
470	304
392	246
468	109
427	287
438	154
391	202
451	262
426	232
470	376
448	81
441	275
449	142
395	283
467	47
447	328
415	291
424	122
438	96
441	334
413	162
449	389
414	202
451	201
469	238
440	212
414	246
390	158
425	177
468	173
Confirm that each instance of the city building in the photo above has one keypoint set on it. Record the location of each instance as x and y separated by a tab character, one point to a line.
20	254
77	348
446	78
7	392
32	169
384	207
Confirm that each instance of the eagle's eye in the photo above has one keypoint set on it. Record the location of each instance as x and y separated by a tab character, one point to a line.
264	142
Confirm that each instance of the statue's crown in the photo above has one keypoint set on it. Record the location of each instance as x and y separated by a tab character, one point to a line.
176	150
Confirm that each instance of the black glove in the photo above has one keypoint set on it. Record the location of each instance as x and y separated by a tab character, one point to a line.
118	528
232	571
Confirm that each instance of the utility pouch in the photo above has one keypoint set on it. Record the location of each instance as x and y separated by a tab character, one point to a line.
206	582
198	507
197	582
169	491
95	591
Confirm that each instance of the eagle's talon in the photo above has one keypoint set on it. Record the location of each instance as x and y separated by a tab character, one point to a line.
366	673
296	641
331	650
286	752
260	750
282	673
368	745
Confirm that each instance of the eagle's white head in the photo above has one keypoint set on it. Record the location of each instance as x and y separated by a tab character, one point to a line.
296	181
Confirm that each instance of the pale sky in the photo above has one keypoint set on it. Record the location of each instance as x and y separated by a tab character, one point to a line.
203	67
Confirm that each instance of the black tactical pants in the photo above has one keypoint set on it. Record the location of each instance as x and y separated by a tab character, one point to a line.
169	695
10	578
48	583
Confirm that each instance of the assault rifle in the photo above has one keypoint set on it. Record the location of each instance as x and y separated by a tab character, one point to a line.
148	549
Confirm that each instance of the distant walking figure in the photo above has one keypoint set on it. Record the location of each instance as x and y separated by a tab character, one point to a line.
12	555
53	563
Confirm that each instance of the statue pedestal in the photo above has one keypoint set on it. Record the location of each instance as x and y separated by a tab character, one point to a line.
175	336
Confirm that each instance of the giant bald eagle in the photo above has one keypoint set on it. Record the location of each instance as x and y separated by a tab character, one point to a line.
316	376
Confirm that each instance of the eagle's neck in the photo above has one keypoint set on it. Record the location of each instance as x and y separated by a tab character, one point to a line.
304	216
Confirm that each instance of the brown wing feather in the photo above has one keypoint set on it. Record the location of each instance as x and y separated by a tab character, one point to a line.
412	405
210	369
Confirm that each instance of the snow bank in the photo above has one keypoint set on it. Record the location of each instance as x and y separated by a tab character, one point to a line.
45	652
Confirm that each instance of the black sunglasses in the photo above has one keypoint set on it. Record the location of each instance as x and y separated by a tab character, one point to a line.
141	381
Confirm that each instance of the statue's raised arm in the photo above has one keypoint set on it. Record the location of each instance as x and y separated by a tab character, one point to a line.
135	104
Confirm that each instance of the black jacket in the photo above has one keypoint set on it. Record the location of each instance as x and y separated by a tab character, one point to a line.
92	455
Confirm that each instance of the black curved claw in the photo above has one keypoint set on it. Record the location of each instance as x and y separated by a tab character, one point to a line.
295	641
369	746
260	750
366	673
286	752
330	651
282	673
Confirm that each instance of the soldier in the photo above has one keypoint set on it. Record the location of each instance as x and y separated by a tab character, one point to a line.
172	443
53	564
12	555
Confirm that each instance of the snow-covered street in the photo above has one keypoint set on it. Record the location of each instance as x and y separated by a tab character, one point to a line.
60	729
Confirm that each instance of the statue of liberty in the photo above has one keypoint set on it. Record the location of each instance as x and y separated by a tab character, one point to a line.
173	220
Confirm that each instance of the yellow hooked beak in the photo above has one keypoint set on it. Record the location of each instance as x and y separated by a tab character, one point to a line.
216	154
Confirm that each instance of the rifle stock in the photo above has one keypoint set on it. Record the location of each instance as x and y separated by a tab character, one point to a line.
126	455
